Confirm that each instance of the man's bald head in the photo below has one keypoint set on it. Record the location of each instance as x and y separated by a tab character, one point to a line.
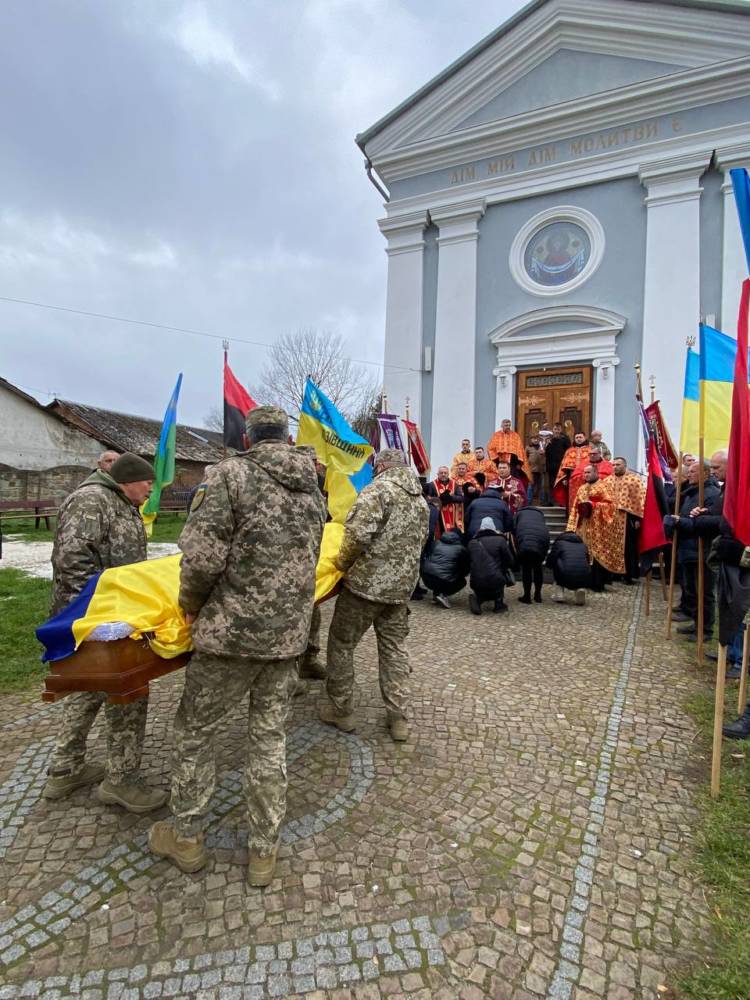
718	463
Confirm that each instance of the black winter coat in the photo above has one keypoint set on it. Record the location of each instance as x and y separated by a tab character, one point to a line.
531	532
569	562
490	557
687	537
448	561
554	451
490	504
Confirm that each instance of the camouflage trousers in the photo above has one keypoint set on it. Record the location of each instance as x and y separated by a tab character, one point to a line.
125	726
214	686
352	617
313	639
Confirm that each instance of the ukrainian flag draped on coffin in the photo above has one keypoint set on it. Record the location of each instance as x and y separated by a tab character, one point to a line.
690	429
145	596
343	452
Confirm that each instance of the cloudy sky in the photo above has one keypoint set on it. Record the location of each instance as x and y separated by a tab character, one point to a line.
193	164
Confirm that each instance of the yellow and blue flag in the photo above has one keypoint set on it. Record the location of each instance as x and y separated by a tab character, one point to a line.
690	429
164	461
145	597
716	376
343	452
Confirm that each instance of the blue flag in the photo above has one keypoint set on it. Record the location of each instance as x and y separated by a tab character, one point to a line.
741	187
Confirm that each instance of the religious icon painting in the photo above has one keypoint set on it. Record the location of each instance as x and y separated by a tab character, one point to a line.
557	253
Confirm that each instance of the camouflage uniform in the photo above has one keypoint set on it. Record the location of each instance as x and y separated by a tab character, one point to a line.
250	549
97	528
383	538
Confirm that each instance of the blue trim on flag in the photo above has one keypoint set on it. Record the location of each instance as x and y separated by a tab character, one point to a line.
56	635
741	187
717	353
361	478
318	406
692	376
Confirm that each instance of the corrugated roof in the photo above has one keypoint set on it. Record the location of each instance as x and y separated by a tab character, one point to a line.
127	432
725	6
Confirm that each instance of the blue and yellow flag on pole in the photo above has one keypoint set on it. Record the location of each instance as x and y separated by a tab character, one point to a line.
690	429
716	376
164	460
343	452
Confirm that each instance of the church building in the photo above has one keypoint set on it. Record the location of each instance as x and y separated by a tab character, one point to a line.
559	210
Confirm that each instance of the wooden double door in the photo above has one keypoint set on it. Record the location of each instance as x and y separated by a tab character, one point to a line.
554	395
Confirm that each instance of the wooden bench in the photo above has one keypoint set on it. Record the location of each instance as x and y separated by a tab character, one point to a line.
15	510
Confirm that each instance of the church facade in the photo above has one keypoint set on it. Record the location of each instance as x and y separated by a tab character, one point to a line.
560	210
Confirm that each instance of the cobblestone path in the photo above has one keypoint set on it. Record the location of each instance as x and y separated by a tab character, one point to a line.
531	840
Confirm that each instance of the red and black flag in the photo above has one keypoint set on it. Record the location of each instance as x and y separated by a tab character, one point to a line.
237	404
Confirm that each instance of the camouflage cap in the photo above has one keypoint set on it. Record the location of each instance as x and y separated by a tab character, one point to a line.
267	416
389	457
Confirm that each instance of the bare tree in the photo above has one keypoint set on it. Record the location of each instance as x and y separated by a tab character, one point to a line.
319	355
214	420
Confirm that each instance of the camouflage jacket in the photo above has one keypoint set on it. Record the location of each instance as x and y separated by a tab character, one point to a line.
384	534
97	528
251	548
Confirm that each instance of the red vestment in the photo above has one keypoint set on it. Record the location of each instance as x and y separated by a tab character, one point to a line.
451	514
576	480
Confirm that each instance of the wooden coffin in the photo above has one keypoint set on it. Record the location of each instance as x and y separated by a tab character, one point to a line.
122	669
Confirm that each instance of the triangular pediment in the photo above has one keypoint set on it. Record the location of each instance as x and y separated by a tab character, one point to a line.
563	53
564	76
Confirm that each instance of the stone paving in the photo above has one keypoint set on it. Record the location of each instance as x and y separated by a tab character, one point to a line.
532	839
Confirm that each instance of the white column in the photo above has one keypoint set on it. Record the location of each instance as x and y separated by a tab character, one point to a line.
733	262
504	392
453	388
671	300
402	378
604	398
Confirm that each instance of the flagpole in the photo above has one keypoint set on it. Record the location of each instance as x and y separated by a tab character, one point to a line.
662	576
742	697
225	346
721	668
673	564
699	622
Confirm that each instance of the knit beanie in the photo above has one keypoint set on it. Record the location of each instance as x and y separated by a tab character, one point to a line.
130	468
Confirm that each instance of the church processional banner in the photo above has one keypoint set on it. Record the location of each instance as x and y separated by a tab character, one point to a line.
390	431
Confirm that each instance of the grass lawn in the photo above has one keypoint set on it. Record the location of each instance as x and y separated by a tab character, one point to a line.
166	529
723	844
24	604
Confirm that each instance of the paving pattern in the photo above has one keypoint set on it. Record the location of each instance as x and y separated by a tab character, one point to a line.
532	839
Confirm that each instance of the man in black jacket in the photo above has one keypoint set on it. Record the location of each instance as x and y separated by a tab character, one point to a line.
532	542
569	562
554	450
687	551
489	504
445	567
490	561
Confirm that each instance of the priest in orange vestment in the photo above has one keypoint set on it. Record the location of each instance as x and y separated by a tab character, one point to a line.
603	467
593	518
576	455
506	445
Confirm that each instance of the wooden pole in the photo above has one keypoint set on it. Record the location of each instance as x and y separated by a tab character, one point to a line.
699	620
721	669
673	565
742	697
648	594
663	577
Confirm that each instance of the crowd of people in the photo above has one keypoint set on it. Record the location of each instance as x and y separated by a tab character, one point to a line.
486	525
250	551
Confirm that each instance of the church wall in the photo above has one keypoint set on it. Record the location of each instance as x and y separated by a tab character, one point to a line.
712	225
564	76
617	285
429	312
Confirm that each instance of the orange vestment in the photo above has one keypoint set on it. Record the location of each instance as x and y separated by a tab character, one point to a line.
503	444
600	531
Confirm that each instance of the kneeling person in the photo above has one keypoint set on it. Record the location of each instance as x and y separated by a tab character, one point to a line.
444	569
99	527
491	559
383	538
247	583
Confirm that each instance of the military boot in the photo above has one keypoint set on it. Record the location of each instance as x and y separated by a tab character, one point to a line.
136	797
63	783
398	727
300	687
261	868
580	597
740	728
329	715
188	853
